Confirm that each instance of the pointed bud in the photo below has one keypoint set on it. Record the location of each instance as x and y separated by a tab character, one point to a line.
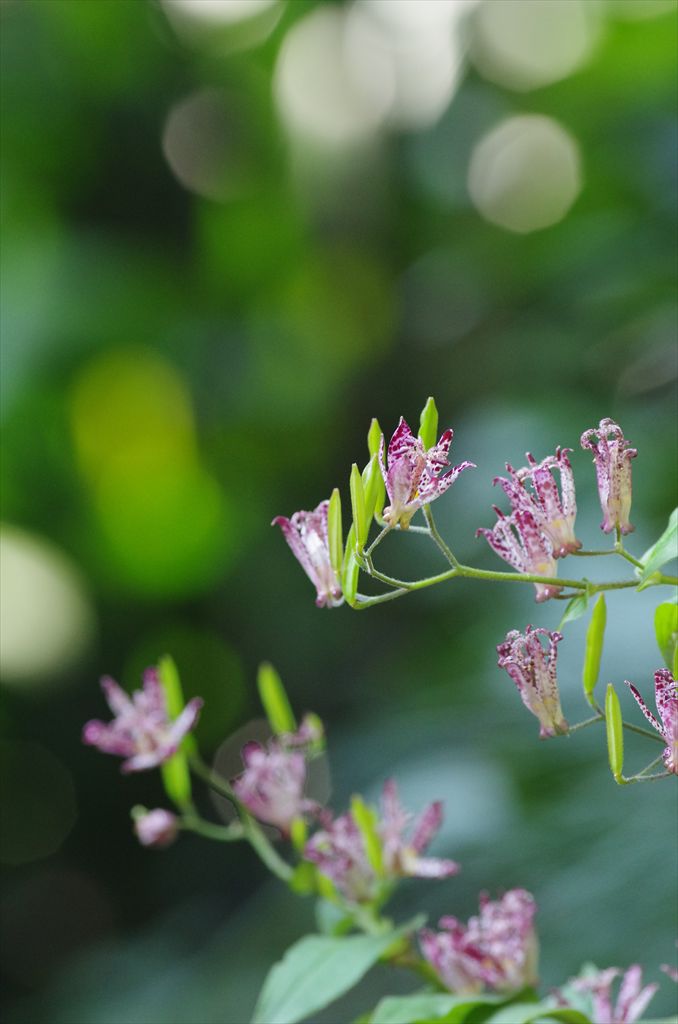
428	424
334	531
594	648
615	735
360	519
274	700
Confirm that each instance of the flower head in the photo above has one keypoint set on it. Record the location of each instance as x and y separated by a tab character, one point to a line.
554	515
497	949
631	1000
306	534
338	849
533	670
157	828
141	730
612	458
666	699
272	785
519	540
412	474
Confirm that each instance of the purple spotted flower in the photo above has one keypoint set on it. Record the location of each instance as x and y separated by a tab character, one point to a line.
612	458
272	785
519	540
666	699
306	534
141	731
412	475
553	514
497	949
338	849
533	670
157	828
631	1000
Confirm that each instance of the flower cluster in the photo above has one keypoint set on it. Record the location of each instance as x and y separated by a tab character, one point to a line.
666	699
533	670
497	948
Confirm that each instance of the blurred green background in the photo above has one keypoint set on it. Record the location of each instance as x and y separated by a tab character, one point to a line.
233	232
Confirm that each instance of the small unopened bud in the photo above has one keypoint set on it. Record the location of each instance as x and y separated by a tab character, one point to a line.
156	828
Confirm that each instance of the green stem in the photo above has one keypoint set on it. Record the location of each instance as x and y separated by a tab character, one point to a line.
619	549
643	732
584	724
594	554
433	530
363	601
671	581
222	833
377	541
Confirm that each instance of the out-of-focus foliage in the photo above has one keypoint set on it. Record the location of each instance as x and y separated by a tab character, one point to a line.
233	232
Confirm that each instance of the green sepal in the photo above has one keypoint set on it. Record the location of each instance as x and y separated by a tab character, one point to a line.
666	631
334	531
374	435
274	700
595	635
176	776
366	819
361	521
615	734
428	424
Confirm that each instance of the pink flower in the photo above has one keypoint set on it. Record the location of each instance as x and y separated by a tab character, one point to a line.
666	699
306	534
157	828
272	785
412	474
533	670
612	458
631	1001
141	730
554	516
339	851
519	540
498	948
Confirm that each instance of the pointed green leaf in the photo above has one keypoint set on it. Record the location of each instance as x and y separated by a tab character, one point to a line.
175	773
662	551
274	699
361	521
615	734
430	1006
595	635
531	1013
575	608
666	631
428	424
318	969
374	435
366	819
334	531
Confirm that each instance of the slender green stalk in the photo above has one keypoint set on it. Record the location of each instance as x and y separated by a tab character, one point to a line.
433	530
222	833
671	581
594	554
584	724
363	601
644	732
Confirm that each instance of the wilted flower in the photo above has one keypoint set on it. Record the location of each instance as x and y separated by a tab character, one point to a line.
498	948
631	1000
306	534
666	699
272	785
412	474
339	850
612	458
554	516
156	828
141	731
533	670
519	540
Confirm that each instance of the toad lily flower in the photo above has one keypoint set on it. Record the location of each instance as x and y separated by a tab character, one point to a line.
340	853
157	828
272	785
666	699
520	542
412	474
141	731
631	1001
533	670
612	458
497	949
554	516
306	534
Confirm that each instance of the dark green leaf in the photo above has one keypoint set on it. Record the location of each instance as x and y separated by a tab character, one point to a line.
575	608
662	551
429	1006
666	631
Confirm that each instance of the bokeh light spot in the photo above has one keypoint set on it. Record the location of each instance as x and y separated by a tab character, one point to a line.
38	802
525	173
46	619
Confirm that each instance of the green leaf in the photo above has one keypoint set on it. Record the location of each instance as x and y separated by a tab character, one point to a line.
666	631
318	969
374	437
361	521
366	818
176	777
595	635
334	531
429	1006
530	1013
331	918
575	608
615	734
274	699
662	551
428	424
